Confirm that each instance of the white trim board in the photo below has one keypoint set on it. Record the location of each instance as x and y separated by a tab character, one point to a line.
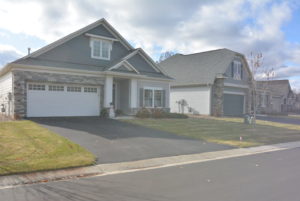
80	72
100	37
236	85
234	93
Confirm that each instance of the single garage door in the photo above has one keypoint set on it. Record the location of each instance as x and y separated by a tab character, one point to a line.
233	105
52	100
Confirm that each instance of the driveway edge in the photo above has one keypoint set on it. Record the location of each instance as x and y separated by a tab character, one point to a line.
11	181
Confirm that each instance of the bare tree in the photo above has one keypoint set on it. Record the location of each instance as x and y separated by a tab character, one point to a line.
255	61
165	55
258	69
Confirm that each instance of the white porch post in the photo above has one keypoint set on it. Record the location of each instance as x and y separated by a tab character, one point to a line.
133	93
108	91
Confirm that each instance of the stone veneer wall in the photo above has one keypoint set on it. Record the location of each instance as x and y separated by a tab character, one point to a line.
20	79
217	97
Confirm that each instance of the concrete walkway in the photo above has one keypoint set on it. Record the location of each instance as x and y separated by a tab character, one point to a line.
123	167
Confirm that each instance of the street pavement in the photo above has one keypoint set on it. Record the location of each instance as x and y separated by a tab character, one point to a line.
272	176
284	120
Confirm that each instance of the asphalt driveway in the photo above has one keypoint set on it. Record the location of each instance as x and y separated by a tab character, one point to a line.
285	119
115	141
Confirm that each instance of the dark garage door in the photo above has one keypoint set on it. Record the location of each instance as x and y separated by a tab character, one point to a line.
233	105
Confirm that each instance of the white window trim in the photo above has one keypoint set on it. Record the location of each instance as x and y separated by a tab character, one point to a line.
236	66
153	94
92	48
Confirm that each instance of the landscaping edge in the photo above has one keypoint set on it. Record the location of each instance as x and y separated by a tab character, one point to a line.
11	181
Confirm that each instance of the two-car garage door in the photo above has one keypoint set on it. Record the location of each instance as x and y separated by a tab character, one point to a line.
46	100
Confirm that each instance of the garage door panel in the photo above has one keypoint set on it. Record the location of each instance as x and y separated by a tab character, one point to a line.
233	105
62	103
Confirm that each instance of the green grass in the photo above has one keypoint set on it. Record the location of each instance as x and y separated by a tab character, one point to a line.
225	130
25	147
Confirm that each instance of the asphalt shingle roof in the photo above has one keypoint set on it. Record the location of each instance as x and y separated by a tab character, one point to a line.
277	87
198	68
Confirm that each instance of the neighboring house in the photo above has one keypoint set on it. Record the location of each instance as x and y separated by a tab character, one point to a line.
297	103
263	98
282	99
216	82
78	75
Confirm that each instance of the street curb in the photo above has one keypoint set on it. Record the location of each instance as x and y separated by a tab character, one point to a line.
123	167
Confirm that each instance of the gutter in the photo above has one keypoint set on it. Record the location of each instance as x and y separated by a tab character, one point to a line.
13	66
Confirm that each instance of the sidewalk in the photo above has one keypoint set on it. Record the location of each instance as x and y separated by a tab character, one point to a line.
117	168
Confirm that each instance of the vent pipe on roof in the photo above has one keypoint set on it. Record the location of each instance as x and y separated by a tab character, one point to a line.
29	50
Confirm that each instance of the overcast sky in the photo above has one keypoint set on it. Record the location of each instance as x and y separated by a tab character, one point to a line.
184	26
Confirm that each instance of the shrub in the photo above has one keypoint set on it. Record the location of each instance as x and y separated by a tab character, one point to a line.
118	112
158	113
143	113
104	113
176	116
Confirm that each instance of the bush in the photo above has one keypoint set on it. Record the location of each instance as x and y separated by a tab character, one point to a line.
104	113
176	116
158	113
143	113
118	112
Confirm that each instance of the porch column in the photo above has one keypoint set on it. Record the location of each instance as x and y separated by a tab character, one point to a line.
133	93
108	91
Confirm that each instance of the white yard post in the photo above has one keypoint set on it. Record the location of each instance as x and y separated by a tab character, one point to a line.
133	93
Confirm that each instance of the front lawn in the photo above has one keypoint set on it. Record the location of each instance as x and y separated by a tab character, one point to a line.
25	147
225	130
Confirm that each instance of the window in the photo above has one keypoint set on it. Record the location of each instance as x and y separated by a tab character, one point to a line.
153	98
56	88
148	98
100	49
90	89
237	70
38	87
158	98
74	89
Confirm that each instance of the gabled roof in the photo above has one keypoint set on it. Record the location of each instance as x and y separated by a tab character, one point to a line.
277	87
33	59
199	68
77	33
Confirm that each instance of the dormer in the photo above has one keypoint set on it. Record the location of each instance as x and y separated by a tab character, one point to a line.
101	46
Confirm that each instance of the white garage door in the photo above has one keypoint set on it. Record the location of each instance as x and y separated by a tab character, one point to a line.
52	100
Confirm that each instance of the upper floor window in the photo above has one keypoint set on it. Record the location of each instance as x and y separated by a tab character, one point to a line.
100	49
237	70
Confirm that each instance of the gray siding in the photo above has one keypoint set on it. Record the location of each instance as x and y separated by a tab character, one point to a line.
123	95
140	64
78	51
245	77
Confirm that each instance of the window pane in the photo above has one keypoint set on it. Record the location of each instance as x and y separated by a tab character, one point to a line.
96	48
158	98
38	87
90	89
148	98
105	49
56	88
73	89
